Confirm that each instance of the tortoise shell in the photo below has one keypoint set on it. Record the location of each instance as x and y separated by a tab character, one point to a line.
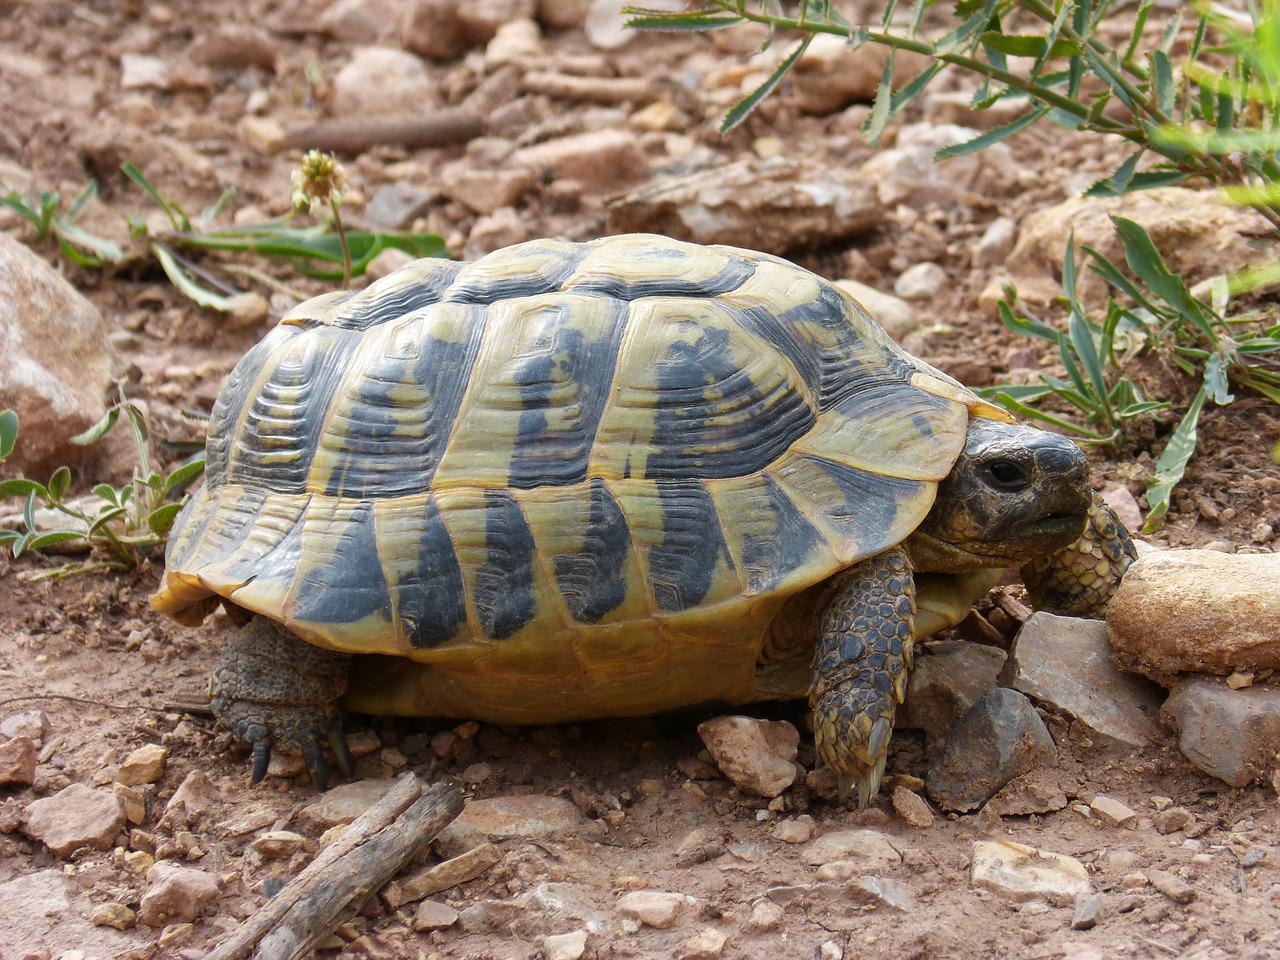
595	470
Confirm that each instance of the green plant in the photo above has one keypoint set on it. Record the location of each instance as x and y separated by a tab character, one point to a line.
124	523
49	219
1160	316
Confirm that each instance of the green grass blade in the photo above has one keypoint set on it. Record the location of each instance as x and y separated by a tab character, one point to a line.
1016	406
742	109
186	284
1172	464
102	249
1147	263
88	193
133	173
8	432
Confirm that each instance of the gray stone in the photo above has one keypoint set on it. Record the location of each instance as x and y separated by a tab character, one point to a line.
501	818
598	159
757	755
433	915
1065	663
31	724
1197	611
381	80
565	946
1020	873
996	243
363	21
654	908
1172	886
343	804
922	281
76	816
907	173
1000	737
869	849
1088	912
41	915
943	686
396	205
884	892
1233	735
55	361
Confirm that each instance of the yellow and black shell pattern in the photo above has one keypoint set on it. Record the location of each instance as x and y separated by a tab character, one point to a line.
594	467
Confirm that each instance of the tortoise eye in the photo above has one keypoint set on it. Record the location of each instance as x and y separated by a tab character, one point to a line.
1007	475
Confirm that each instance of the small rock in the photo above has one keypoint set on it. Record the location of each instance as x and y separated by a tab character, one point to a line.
1018	872
943	686
195	797
1197	611
603	160
1000	737
387	262
920	282
502	228
565	946
1112	812
515	41
278	844
707	944
654	908
1121	501
144	765
434	29
380	80
396	205
31	724
1066	663
485	191
1037	791
76	816
133	801
1172	886
443	876
563	14
233	46
908	173
138	72
605	26
247	309
18	762
112	915
433	915
830	76
868	848
830	950
501	818
1088	911
362	21
994	245
661	115
912	808
896	316
343	804
175	894
1233	735
766	916
1173	819
757	755
799	830
882	891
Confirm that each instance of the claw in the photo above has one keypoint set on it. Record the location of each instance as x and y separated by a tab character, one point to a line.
341	752
261	760
866	785
317	766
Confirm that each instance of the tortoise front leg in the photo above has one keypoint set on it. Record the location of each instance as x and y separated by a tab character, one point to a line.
860	669
1080	580
272	689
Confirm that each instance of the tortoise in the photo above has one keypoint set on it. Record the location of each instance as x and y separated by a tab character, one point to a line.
615	478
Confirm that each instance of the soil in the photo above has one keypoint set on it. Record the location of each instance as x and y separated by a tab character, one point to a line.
110	675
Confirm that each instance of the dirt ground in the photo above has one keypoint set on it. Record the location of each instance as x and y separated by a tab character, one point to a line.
109	675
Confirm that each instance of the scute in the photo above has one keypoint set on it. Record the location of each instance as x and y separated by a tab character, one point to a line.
562	457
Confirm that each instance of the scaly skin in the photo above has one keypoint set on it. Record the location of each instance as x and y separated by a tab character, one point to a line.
860	670
1080	580
271	689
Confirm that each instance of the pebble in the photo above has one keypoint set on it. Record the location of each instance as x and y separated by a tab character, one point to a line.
601	160
195	797
799	830
113	915
502	818
395	206
76	816
944	685
565	946
433	915
278	844
1112	812
144	765
175	894
502	228
343	804
1018	872
1133	881
486	191
912	808
1088	912
895	315
830	950
361	21
870	849
515	41
1000	737
31	724
707	944
1171	885
1066	663
654	908
134	802
757	755
443	876
882	891
18	762
766	916
1172	819
995	243
1229	734
920	282
382	80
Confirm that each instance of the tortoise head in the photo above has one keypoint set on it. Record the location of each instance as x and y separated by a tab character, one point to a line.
1015	494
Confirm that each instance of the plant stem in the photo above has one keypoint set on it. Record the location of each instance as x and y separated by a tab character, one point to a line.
342	240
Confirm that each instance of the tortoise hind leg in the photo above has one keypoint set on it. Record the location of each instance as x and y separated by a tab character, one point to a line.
1079	580
860	670
271	689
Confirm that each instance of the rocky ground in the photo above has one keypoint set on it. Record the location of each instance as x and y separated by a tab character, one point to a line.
127	826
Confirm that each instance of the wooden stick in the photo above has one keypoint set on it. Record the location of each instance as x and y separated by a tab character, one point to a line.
371	851
592	89
353	135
